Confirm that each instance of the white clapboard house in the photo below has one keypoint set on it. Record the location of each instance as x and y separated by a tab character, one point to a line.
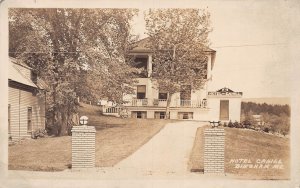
26	106
148	102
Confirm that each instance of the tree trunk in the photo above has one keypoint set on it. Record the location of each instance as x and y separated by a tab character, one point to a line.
63	122
167	116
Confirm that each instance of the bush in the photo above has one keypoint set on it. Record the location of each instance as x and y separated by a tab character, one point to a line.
230	124
236	124
225	124
240	125
246	124
266	129
39	133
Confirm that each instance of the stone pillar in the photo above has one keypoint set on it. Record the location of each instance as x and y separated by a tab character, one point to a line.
83	147
214	149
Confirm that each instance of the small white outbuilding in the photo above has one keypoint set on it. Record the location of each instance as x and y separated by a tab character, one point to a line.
225	105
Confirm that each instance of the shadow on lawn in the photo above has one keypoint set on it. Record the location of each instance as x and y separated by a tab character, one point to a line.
108	126
199	170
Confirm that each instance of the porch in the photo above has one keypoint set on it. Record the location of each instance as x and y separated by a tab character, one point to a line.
163	103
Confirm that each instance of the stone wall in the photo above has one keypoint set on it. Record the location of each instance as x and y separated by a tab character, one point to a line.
214	150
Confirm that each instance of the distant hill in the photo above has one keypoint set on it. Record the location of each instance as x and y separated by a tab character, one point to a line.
271	100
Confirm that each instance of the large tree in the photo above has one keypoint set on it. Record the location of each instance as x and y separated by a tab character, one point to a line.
77	52
179	39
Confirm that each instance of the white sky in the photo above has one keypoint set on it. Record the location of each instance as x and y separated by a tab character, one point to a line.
252	40
259	69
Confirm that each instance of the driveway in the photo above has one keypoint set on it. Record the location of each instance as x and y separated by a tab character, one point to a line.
166	154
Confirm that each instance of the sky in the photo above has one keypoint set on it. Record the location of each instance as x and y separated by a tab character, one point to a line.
252	40
257	41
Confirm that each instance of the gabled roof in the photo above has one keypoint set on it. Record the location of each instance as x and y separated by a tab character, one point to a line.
15	75
18	62
225	89
141	46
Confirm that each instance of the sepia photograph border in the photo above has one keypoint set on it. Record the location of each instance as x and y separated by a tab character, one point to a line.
8	179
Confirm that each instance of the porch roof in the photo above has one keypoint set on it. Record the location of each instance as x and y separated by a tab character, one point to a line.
141	46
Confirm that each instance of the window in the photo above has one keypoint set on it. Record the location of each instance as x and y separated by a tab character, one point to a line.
162	95
141	92
185	115
139	114
159	115
29	119
9	128
141	63
185	92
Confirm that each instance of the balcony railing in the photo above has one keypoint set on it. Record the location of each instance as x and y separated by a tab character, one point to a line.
139	102
163	103
111	110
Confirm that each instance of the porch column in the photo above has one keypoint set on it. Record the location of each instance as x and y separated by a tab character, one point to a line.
149	66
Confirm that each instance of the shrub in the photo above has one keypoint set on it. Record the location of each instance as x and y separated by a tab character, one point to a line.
266	129
225	124
247	124
236	124
39	133
230	124
240	125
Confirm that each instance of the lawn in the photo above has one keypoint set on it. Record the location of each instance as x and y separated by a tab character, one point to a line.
116	139
246	144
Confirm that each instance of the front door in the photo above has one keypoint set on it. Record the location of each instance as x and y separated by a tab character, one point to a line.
224	110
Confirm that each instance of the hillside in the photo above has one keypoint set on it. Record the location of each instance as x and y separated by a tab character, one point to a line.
270	100
248	145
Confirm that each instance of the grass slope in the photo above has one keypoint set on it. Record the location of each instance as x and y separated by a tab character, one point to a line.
246	144
115	140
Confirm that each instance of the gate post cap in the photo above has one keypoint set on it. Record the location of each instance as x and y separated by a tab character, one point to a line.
83	120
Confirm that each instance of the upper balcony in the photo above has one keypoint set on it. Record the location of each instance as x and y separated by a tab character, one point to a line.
163	103
144	65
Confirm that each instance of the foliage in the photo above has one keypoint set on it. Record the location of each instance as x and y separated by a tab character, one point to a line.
273	118
257	108
237	124
230	124
77	52
178	39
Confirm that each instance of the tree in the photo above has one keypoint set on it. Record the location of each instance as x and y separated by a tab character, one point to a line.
77	52
178	39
